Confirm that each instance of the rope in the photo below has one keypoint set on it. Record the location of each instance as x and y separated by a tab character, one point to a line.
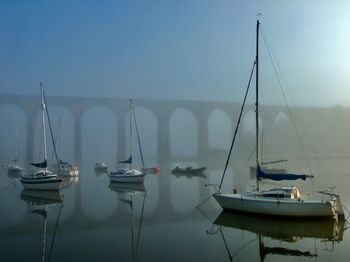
238	122
285	100
139	231
54	233
138	137
51	133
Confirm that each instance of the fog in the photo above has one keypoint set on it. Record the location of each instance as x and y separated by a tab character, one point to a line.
181	135
175	50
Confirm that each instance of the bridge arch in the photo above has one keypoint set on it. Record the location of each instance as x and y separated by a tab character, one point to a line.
220	129
14	119
99	133
183	127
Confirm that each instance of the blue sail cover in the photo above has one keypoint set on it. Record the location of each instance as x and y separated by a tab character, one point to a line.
40	165
279	177
129	161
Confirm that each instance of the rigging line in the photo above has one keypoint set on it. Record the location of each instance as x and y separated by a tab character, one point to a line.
132	230
139	231
204	201
52	138
236	130
138	137
244	246
56	138
226	246
285	100
54	233
250	157
204	214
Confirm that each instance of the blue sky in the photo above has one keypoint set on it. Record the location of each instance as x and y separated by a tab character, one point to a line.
201	50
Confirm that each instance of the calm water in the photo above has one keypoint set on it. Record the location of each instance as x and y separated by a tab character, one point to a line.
90	221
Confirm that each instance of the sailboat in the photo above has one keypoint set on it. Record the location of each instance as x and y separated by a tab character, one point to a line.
101	167
42	179
63	168
280	201
129	175
14	168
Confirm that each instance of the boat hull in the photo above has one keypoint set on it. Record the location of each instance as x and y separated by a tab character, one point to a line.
188	171
101	167
131	176
14	169
276	207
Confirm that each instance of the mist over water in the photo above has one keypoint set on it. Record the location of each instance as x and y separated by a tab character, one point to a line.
95	221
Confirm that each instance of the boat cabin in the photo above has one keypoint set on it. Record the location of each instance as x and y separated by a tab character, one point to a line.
280	192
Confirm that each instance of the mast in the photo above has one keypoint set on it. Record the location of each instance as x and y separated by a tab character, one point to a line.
16	156
43	119
257	103
130	130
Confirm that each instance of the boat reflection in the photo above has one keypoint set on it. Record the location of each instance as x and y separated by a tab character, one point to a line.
41	197
124	188
127	193
40	203
288	231
70	181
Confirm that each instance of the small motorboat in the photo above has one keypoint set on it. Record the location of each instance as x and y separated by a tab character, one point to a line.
189	171
101	167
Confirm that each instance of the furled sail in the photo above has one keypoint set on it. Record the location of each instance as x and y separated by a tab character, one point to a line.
129	161
279	177
40	165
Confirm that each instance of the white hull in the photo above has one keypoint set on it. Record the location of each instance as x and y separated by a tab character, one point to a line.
101	167
67	173
14	169
276	207
42	180
74	172
127	176
66	170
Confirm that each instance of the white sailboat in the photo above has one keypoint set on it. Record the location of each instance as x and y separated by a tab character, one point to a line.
101	167
281	201
14	168
63	168
129	175
42	179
